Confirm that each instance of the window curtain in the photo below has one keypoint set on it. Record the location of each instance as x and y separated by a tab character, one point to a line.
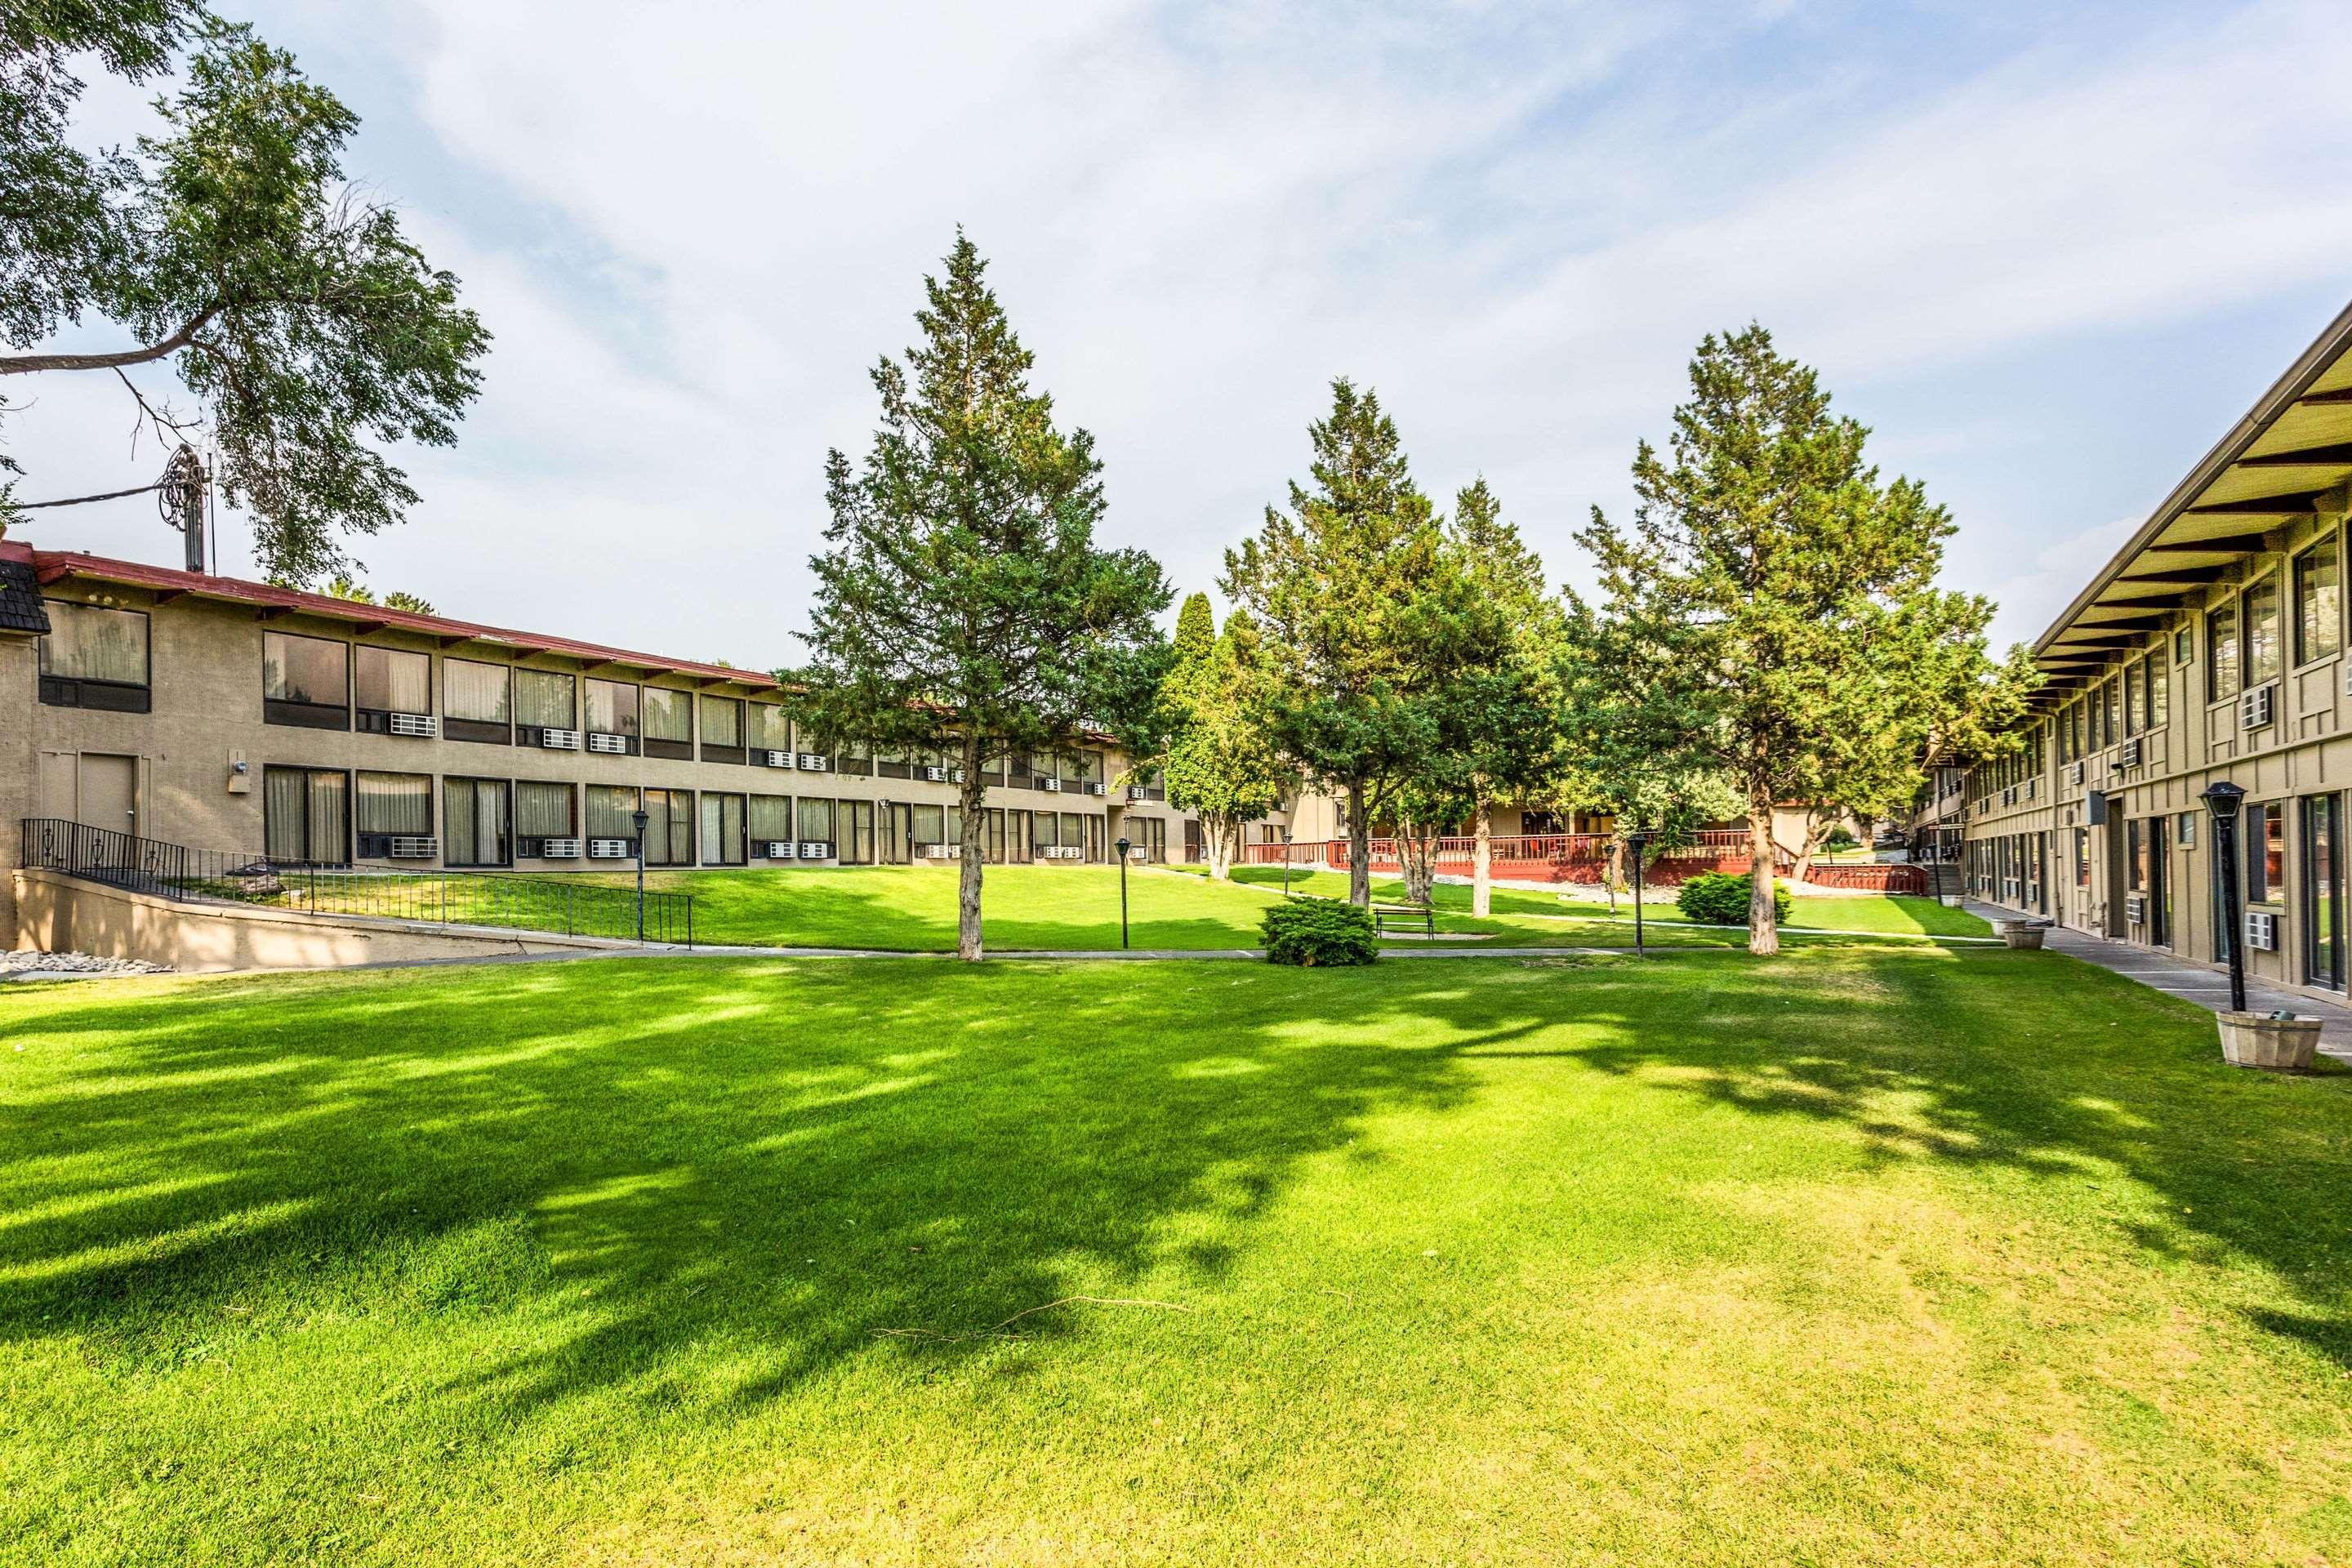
771	817
477	810
609	810
479	693
771	730
930	824
87	642
305	670
330	799
285	814
611	708
723	721
816	820
393	681
544	810
395	803
544	697
670	715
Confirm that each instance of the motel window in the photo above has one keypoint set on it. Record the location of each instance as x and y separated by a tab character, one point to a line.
2265	853
475	812
2222	643
391	680
542	811
1082	768
816	820
669	724
2185	830
388	806
305	681
2159	692
670	827
612	710
2261	627
2136	698
2111	699
2318	624
852	843
854	757
477	700
929	825
610	809
2082	857
771	818
93	657
723	729
2184	644
722	829
771	728
306	814
543	700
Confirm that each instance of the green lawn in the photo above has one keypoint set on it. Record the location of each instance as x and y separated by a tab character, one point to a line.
1870	1254
912	908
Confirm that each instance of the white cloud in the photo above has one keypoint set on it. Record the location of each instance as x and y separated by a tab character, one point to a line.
1513	220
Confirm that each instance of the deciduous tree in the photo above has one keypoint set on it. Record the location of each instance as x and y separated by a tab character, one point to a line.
962	604
1220	760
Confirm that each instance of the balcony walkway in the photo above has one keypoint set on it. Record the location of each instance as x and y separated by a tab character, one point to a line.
2189	979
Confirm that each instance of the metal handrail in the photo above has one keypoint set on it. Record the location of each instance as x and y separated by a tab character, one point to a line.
183	875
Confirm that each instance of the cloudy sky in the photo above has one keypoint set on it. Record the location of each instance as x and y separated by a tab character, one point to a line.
2048	254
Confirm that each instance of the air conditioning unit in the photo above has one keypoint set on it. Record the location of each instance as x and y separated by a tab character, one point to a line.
417	725
608	848
1140	855
2129	757
812	762
2262	930
1053	786
944	851
781	849
1096	786
560	740
815	849
2074	775
2255	708
2136	907
955	776
779	759
414	847
610	745
1062	852
559	849
935	775
2009	795
1138	792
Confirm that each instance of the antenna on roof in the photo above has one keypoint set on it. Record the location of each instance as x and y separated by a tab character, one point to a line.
180	497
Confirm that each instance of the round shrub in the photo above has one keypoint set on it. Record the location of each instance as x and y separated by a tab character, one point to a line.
1720	899
1320	933
1840	838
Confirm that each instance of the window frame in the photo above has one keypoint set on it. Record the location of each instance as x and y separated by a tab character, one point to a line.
2216	691
301	714
2331	541
378	720
74	690
465	727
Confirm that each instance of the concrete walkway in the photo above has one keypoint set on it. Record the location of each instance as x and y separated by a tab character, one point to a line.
2190	980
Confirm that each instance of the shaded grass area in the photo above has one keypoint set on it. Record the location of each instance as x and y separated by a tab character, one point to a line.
1870	1254
1891	915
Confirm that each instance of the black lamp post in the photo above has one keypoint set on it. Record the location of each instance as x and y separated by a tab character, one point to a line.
1286	860
641	817
1636	841
1122	891
2222	799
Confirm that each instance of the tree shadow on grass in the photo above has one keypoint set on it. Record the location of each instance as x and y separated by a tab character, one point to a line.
789	1161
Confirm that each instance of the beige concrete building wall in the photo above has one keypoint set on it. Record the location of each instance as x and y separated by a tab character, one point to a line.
207	717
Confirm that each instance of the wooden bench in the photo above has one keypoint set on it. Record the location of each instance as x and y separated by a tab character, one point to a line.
1404	917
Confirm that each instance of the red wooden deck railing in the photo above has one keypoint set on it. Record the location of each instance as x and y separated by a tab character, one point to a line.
1530	858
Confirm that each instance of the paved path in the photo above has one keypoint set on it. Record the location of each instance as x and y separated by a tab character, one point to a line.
2192	981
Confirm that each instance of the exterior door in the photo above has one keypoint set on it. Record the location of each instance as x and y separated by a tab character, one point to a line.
2323	890
2118	874
107	793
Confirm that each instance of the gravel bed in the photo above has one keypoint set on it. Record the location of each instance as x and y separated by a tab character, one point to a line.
31	963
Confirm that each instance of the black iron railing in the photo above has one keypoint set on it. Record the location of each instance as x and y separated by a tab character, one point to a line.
442	898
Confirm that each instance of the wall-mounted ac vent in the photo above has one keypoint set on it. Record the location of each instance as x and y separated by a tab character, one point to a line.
2136	907
2262	930
1138	792
812	762
560	740
414	848
944	851
1053	786
610	745
955	776
2255	708
1062	852
935	775
559	849
417	725
1138	854
1096	786
778	759
781	849
815	849
608	848
2074	775
2009	795
2129	756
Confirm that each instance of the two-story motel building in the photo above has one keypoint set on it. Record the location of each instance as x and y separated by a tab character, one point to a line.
232	715
2210	647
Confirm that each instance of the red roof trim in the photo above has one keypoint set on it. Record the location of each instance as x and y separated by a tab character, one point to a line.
52	566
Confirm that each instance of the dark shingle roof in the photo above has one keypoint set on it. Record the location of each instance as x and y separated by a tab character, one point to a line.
20	598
